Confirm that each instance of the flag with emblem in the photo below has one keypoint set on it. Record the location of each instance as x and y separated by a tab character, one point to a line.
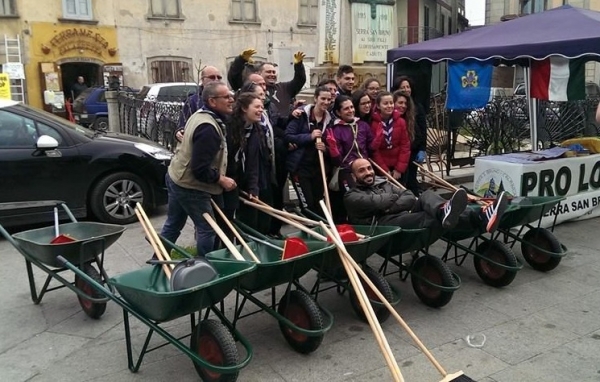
469	84
558	79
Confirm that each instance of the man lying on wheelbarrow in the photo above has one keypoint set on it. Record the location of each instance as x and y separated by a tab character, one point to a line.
375	198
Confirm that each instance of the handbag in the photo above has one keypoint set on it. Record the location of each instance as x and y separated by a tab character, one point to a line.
334	182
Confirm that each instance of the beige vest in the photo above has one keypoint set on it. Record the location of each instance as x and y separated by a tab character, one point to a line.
179	169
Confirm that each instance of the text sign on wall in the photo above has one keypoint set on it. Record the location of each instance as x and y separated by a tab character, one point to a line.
14	70
329	31
371	37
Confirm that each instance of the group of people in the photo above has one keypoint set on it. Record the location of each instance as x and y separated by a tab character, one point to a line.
248	140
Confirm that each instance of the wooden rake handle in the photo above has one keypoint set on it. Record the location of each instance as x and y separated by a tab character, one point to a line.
390	178
166	267
235	231
363	299
294	224
234	251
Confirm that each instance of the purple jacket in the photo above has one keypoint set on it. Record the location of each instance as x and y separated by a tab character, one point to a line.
344	137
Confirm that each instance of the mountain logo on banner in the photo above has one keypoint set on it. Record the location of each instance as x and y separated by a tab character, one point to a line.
469	84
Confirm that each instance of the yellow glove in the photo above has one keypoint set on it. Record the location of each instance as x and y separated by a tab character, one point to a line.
247	54
298	57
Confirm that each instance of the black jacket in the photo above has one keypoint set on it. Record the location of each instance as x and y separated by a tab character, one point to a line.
363	203
420	141
280	94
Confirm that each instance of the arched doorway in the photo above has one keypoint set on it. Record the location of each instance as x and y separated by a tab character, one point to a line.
91	73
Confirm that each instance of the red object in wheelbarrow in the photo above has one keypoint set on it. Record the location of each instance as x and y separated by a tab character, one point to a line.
347	233
60	238
293	247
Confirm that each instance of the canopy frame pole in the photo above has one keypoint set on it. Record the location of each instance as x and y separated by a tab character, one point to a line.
532	105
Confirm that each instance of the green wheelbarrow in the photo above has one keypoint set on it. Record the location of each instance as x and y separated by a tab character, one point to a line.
88	241
302	321
146	295
539	247
331	274
432	280
494	261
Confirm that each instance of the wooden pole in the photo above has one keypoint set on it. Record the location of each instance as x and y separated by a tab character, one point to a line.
234	251
235	232
288	221
390	178
324	177
166	268
363	299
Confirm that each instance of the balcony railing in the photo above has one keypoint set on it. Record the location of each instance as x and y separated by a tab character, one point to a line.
415	34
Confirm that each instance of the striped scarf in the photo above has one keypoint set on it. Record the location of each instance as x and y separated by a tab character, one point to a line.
388	129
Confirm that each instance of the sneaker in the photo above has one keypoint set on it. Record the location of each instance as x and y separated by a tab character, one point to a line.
492	213
453	208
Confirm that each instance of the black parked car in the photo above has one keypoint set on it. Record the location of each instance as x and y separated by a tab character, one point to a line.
44	157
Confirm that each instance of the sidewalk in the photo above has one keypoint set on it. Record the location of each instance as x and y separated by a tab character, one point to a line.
543	327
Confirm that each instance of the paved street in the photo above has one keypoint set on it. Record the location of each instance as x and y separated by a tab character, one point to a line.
542	327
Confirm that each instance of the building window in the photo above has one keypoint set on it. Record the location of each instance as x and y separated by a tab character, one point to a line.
77	9
443	25
309	11
243	10
7	8
533	6
165	8
170	71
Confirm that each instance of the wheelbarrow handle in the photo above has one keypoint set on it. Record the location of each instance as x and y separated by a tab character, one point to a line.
169	262
167	336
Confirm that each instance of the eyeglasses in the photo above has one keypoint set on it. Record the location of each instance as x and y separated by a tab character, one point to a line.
214	77
365	103
228	96
374	89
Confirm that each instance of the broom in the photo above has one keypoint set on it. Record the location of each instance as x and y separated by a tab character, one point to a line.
454	377
447	185
362	296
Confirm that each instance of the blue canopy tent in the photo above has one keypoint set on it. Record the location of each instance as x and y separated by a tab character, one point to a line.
565	31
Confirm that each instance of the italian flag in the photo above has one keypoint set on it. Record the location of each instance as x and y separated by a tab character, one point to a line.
558	79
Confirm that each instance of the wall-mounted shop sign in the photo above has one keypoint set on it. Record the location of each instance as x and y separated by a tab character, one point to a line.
79	39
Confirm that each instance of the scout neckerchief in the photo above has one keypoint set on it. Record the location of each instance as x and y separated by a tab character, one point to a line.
240	155
388	129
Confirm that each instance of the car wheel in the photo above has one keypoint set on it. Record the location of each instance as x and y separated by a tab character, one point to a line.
114	197
100	124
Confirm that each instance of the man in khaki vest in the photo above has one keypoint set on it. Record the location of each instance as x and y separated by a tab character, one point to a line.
197	171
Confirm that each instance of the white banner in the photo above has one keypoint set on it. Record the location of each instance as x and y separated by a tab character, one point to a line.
577	179
329	31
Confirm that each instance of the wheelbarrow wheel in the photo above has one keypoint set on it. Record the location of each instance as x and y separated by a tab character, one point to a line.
92	309
500	253
537	238
435	271
304	312
213	342
382	284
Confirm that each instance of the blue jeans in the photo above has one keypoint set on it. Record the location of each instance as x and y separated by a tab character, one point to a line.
184	202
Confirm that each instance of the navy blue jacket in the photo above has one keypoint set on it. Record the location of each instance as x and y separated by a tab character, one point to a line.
298	132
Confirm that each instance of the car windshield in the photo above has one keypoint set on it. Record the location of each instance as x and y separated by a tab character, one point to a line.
44	114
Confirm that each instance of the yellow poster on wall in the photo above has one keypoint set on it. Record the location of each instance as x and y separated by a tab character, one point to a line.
4	86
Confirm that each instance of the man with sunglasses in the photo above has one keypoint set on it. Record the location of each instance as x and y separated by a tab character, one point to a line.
280	93
197	172
194	101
